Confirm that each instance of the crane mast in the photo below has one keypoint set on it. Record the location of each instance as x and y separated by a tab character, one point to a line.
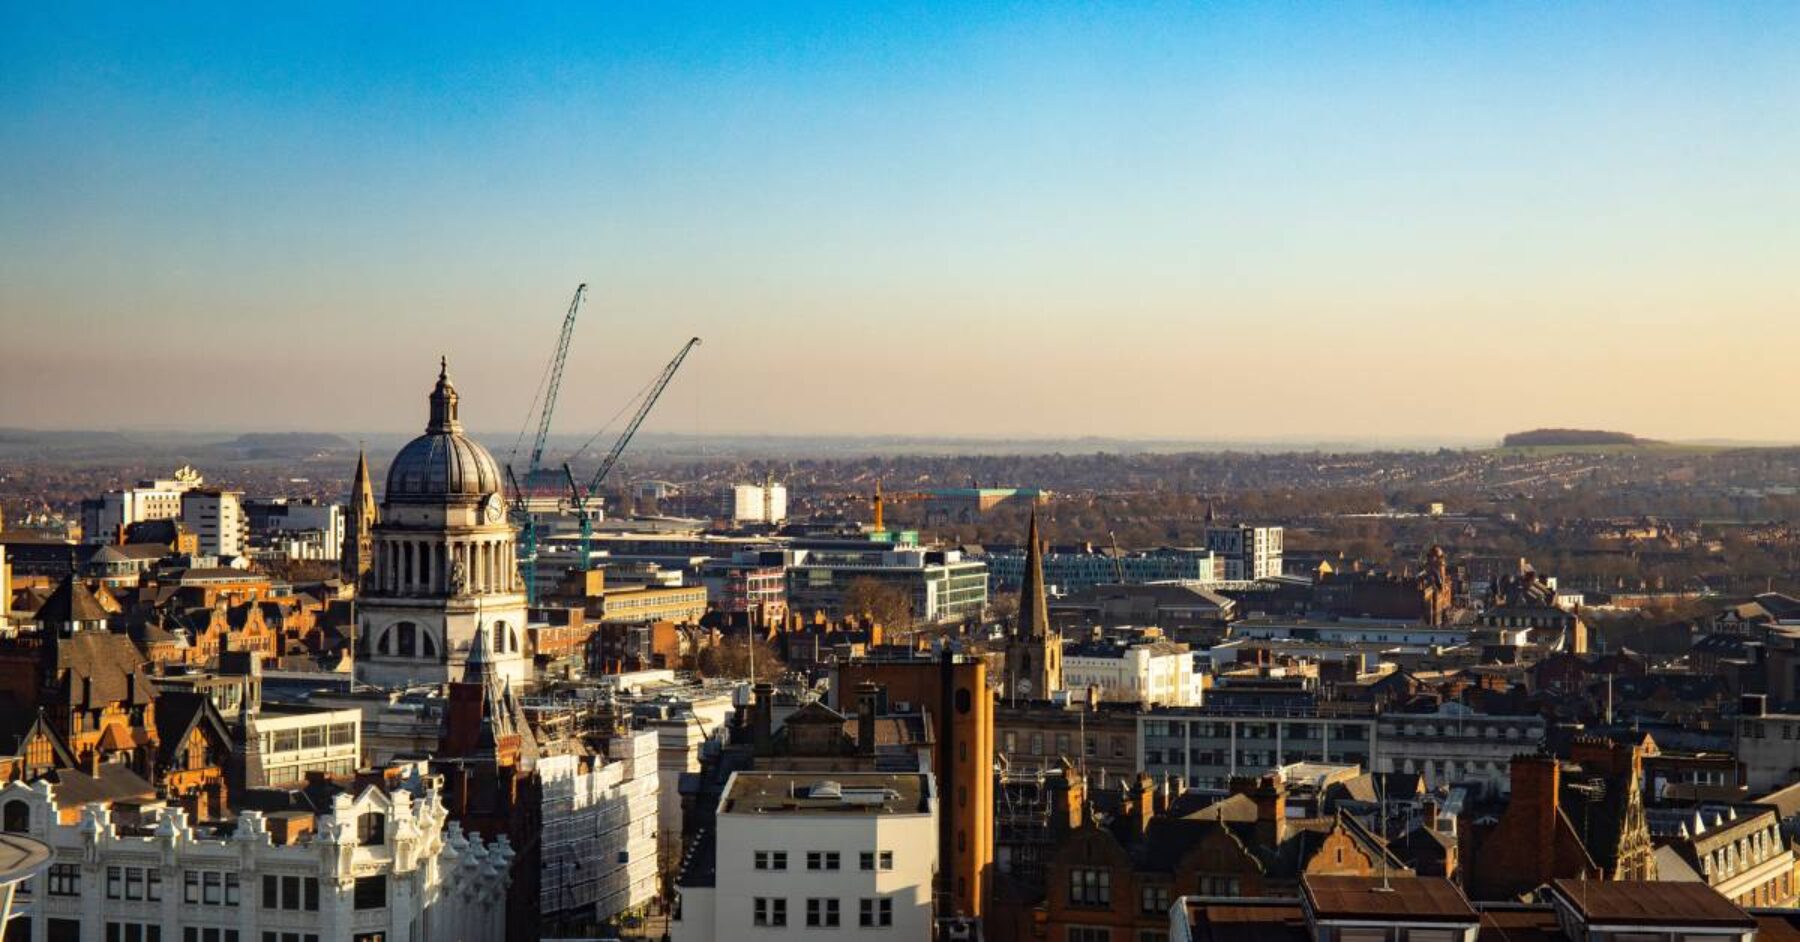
612	457
526	552
555	383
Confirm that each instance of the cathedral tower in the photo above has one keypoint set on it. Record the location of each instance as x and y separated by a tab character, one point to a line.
1033	652
443	564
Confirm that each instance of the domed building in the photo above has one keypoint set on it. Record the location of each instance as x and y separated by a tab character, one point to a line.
443	562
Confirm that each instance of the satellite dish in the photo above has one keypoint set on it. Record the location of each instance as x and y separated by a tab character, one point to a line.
1025	687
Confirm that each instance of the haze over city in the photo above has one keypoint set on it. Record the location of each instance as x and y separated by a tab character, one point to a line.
1198	222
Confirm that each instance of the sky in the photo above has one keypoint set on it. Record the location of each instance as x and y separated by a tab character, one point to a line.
1194	221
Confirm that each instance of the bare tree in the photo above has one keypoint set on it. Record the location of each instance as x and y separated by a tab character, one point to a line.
731	658
889	605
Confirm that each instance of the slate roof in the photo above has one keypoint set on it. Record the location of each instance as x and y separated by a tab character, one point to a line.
72	601
111	666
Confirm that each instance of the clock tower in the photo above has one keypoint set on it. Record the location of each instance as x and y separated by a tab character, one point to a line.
1033	652
444	577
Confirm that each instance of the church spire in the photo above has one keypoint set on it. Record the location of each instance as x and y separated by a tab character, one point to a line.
1034	610
358	553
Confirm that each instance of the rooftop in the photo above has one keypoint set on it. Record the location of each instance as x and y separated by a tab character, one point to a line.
815	793
1415	899
1650	904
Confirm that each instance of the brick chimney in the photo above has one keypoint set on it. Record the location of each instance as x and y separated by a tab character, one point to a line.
1143	804
1530	817
1270	795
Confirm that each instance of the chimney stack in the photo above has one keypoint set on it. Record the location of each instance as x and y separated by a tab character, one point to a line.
764	718
867	702
1144	802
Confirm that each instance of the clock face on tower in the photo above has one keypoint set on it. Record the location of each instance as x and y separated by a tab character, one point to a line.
492	508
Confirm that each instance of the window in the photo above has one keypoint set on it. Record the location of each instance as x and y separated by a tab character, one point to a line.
1155	899
1037	744
133	932
867	860
770	911
290	893
64	880
821	860
1089	934
874	912
208	934
290	937
1090	886
371	827
822	913
343	734
371	892
1009	741
134	883
18	817
63	930
887	860
771	860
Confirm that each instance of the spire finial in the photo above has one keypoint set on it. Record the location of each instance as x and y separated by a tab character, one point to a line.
443	367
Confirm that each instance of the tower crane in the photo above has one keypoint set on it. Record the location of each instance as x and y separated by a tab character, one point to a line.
582	497
518	510
554	385
526	551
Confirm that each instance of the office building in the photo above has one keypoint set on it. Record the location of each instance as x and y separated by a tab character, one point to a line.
217	519
808	855
754	503
1250	553
104	518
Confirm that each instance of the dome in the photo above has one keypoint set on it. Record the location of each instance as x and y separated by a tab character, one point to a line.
442	462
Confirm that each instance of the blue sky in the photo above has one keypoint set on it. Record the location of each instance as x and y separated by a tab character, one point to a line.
1193	220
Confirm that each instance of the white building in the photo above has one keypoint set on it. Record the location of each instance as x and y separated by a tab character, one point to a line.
104	517
1458	746
1155	672
380	867
1250	552
754	503
800	856
295	740
599	829
297	528
217	519
444	562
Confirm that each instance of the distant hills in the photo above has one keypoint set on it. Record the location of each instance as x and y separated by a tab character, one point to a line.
1571	437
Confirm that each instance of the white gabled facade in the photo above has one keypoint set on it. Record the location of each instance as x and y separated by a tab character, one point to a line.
380	867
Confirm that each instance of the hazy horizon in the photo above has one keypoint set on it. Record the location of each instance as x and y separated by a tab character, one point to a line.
1241	222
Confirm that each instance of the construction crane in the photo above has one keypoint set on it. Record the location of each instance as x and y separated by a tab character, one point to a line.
526	548
1118	560
879	501
519	511
554	385
612	457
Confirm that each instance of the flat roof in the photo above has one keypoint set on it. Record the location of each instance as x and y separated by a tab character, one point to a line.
1663	903
827	793
1410	899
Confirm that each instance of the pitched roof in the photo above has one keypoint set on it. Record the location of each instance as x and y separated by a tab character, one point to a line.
103	666
71	602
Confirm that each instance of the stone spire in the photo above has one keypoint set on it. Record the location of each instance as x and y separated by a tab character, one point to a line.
1034	609
358	553
443	403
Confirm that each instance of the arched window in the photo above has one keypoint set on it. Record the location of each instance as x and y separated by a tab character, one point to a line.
512	638
371	827
427	647
500	637
408	644
17	817
386	644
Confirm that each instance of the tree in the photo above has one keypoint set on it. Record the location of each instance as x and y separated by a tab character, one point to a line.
731	658
889	605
